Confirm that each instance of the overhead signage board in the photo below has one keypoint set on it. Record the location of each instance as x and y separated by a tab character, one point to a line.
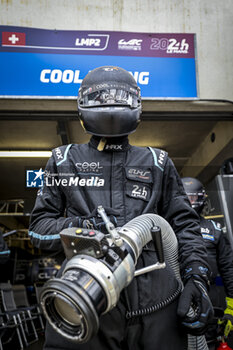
40	63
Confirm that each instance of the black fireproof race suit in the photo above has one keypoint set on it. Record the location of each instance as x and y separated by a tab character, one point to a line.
220	255
220	260
127	181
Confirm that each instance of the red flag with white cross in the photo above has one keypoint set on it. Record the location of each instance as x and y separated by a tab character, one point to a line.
13	39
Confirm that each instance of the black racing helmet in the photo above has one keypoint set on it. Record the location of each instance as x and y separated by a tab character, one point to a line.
195	192
109	102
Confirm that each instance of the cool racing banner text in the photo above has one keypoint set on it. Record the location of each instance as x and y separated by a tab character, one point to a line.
52	63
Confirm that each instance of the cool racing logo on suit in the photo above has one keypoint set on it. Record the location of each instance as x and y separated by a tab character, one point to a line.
35	178
89	168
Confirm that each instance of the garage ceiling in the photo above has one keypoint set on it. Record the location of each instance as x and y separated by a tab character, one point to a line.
198	135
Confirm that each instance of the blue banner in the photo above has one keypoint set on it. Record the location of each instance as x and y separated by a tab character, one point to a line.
164	68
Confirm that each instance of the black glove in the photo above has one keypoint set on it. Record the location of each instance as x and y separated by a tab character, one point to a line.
195	297
94	220
195	309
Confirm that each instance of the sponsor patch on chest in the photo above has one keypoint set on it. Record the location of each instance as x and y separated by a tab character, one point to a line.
209	237
205	230
206	233
139	191
139	174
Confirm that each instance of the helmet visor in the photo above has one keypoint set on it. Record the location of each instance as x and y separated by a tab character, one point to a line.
196	199
193	199
109	94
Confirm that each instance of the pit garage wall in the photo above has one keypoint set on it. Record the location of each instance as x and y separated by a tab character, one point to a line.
211	20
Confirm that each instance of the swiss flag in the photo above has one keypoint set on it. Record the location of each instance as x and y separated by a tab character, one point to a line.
13	39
